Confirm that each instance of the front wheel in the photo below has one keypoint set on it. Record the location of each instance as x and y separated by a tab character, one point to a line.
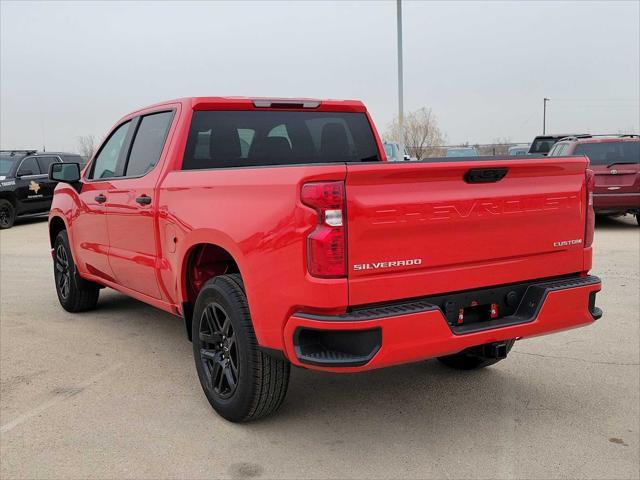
240	381
74	293
7	214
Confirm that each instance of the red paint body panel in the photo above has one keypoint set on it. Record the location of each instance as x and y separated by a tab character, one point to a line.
467	236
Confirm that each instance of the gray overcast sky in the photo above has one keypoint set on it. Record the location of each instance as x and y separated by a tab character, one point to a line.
70	69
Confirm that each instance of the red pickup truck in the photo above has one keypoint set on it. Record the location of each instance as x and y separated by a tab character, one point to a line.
280	233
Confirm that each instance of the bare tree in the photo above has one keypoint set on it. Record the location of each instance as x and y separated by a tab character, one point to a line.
86	146
422	135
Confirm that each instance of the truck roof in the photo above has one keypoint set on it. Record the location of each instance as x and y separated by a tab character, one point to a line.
260	103
601	138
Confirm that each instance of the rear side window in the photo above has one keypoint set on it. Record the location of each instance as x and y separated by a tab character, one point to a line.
148	143
610	153
106	162
44	163
219	139
559	150
29	166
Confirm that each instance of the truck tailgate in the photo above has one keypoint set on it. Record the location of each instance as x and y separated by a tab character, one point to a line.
417	229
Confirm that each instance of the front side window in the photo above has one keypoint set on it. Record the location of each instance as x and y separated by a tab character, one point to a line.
148	143
219	139
29	166
44	163
106	162
6	164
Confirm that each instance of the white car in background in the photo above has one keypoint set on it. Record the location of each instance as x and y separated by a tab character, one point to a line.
392	149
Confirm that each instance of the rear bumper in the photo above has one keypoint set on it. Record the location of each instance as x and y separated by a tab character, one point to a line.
616	201
413	331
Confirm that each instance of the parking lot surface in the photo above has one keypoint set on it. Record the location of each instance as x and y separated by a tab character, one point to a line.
114	394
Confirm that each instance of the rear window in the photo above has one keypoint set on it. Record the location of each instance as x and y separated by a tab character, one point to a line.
608	153
542	145
219	139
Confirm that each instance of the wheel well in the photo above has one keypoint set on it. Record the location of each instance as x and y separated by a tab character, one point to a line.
204	261
55	227
10	197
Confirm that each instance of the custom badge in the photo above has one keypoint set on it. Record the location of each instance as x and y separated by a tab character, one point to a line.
34	187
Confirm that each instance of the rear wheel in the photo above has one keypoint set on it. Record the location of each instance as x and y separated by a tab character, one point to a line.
74	293
472	358
240	381
7	214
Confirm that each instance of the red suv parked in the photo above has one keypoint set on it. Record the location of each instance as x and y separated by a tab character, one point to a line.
280	233
615	160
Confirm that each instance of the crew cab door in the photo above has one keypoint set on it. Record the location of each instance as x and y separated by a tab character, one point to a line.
47	186
29	186
91	238
131	206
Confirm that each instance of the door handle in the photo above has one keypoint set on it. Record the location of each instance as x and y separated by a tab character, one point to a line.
143	200
101	198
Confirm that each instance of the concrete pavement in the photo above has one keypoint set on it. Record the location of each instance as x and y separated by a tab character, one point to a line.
114	394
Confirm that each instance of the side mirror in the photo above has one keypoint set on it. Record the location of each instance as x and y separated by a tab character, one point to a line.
64	172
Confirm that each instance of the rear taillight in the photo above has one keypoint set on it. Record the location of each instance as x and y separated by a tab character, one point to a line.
591	216
326	245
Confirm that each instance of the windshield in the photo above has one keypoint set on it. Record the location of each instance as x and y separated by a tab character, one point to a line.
219	139
5	165
607	153
462	152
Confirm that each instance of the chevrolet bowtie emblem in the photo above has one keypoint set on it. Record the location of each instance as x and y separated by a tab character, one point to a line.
34	186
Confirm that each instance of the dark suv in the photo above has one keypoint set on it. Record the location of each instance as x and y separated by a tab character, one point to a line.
543	144
25	187
615	160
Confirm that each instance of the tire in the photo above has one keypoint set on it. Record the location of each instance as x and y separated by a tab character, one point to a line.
470	359
240	381
74	293
7	214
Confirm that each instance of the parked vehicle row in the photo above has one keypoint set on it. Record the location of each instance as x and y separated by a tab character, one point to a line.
25	187
279	235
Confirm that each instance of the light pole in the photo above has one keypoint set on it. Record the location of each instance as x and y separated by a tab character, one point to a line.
544	115
400	81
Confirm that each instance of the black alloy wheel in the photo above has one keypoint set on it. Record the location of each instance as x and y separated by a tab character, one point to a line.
74	293
240	381
62	272
7	214
218	350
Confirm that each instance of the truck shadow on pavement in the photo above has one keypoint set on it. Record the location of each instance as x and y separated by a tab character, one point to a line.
417	399
624	222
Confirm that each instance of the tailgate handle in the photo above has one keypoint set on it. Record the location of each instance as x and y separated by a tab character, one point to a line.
485	175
